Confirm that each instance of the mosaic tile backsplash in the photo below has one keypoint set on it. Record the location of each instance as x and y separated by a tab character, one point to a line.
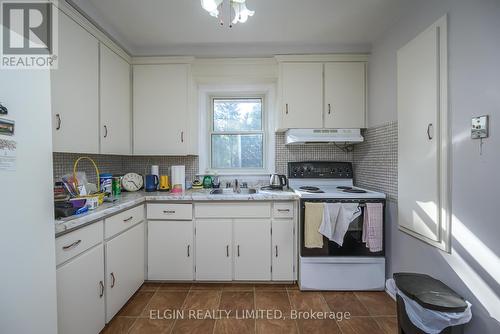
374	160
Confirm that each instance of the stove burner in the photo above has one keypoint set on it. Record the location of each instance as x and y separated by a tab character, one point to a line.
344	187
310	189
354	191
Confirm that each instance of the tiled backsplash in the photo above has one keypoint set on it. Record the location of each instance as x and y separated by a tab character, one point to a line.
118	164
324	152
374	160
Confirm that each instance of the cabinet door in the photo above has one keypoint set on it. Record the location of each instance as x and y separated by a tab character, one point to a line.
422	146
170	250
252	249
75	123
282	250
115	103
160	109
124	268
301	95
345	94
80	294
214	250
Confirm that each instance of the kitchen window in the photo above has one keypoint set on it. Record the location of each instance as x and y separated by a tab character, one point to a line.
237	136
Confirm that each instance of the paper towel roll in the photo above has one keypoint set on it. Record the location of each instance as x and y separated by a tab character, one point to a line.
178	177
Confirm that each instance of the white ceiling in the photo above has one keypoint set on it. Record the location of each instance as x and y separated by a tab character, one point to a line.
182	27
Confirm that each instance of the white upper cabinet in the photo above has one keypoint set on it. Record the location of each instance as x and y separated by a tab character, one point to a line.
160	109
345	102
322	92
116	114
301	95
75	90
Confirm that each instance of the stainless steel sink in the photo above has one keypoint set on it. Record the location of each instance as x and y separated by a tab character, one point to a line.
244	191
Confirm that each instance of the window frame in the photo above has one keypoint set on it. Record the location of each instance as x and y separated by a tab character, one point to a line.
263	132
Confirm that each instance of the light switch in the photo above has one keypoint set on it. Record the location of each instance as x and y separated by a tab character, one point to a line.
479	128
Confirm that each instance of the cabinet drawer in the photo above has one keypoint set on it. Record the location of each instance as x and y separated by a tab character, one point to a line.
120	222
283	210
232	210
74	243
166	211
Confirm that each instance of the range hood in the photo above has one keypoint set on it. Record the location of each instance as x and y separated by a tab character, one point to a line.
323	136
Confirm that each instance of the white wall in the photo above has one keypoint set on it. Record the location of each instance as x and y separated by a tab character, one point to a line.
27	251
473	268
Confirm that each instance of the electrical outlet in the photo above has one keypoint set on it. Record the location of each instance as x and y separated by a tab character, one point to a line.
479	128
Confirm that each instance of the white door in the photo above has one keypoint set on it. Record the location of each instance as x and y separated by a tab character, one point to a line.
345	95
214	250
282	249
80	294
116	113
160	109
75	90
419	136
124	268
301	95
170	250
252	249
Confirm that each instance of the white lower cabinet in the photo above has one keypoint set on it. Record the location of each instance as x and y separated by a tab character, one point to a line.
124	268
80	293
252	242
214	249
282	250
170	250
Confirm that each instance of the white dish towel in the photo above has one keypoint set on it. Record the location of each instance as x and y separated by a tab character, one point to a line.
373	230
347	213
329	222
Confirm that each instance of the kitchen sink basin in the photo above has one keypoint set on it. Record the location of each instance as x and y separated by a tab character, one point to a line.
244	191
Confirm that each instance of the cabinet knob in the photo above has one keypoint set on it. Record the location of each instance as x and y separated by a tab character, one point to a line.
189	250
238	250
329	108
276	248
227	250
286	108
105	131
74	244
182	136
429	129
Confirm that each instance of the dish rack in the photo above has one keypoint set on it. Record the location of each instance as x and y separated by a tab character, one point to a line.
99	195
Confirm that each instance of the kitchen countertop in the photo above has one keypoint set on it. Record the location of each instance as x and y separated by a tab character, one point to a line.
128	200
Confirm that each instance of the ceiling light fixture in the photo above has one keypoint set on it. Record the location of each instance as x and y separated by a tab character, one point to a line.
238	8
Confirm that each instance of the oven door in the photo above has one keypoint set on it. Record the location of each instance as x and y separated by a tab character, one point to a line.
352	245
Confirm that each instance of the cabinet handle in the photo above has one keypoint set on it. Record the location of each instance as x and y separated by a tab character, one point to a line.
276	248
168	212
238	250
286	108
114	280
101	284
182	136
74	244
227	250
429	131
329	108
128	219
58	117
105	131
283	210
189	250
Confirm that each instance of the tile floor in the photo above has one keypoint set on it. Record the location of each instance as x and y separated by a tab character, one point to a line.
370	312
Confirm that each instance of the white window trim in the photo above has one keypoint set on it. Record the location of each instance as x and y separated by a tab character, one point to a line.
205	95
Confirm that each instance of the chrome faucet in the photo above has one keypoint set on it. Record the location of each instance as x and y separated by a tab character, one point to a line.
236	186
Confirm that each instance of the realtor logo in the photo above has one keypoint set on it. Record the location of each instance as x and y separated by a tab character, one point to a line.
29	39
